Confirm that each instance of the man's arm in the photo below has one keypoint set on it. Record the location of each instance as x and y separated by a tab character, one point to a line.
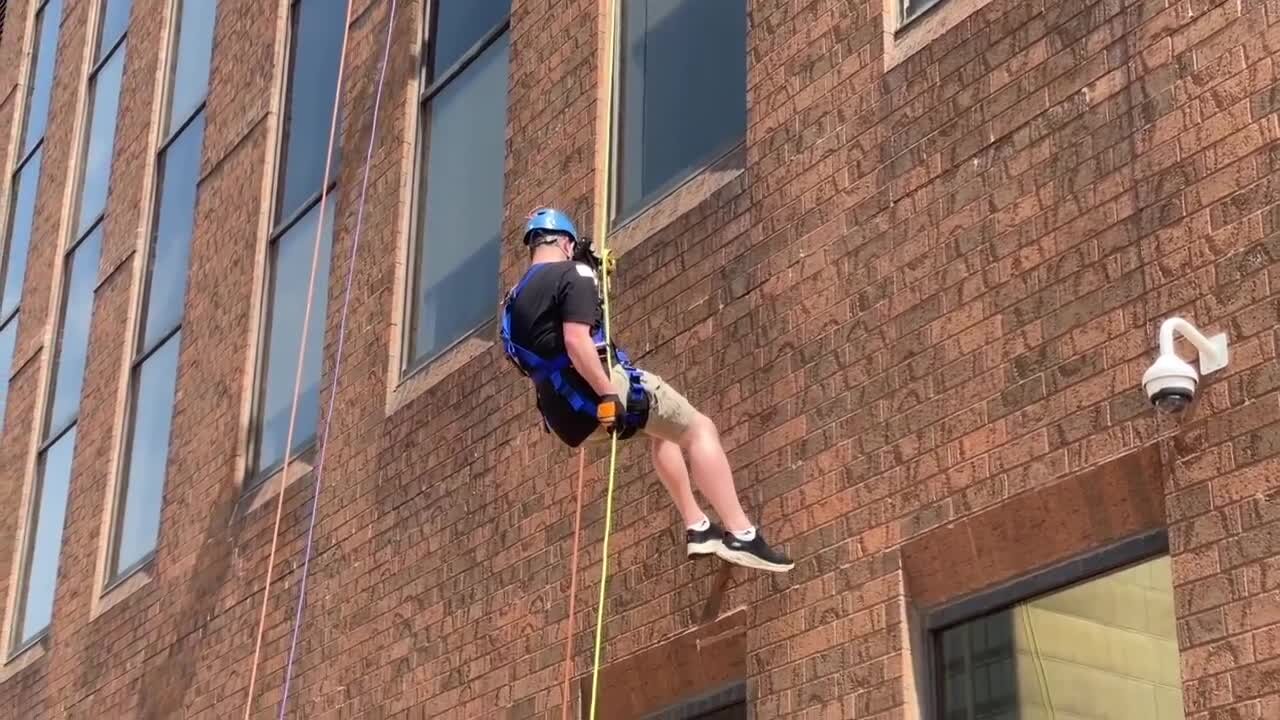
582	351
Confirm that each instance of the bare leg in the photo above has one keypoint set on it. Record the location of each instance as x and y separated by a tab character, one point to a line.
668	461
711	471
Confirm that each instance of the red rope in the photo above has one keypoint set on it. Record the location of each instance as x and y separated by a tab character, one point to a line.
302	349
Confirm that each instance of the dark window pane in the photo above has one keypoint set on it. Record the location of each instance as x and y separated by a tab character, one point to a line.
313	84
73	336
139	521
14	260
8	336
175	218
46	50
115	20
1105	648
45	537
460	24
194	50
912	8
291	269
101	145
457	273
684	92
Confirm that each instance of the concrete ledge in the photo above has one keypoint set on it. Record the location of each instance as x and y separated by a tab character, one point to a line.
1037	529
23	660
684	667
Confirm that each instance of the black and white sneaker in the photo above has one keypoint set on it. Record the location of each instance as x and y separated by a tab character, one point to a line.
703	542
754	553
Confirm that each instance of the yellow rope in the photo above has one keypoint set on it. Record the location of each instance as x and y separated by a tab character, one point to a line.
602	232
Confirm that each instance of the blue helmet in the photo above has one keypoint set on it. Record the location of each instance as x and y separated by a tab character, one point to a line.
548	220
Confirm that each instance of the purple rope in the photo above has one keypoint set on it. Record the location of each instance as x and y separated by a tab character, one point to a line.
337	368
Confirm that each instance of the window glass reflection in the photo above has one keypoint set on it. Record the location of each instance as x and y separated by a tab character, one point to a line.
292	269
1105	649
143	489
457	264
50	501
101	144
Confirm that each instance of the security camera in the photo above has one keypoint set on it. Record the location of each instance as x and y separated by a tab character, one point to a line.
1171	382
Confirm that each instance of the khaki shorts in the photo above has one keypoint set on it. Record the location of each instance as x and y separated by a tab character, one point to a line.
670	414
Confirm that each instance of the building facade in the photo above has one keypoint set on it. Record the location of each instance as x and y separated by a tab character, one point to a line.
912	257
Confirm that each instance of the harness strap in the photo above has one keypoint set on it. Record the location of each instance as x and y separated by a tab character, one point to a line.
540	369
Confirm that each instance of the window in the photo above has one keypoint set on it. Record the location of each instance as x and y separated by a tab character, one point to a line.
8	338
1106	647
463	139
73	334
101	144
15	269
912	9
35	613
48	20
316	36
43	542
53	467
26	177
153	381
682	94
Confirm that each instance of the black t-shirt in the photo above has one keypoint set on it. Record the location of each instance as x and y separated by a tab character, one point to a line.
558	292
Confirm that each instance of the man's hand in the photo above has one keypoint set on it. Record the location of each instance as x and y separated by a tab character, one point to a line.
610	412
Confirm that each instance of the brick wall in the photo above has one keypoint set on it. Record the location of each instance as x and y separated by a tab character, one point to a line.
923	307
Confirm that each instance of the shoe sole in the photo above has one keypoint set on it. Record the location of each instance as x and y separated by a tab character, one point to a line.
745	559
709	547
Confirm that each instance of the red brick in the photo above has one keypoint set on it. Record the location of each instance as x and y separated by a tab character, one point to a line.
919	317
1254	612
1218	657
1257	680
1266	643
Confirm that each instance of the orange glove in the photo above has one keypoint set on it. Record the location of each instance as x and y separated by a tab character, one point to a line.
609	412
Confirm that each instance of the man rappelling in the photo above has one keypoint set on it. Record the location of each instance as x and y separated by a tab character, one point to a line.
553	330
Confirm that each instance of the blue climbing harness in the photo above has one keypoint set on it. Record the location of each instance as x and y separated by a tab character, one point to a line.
552	370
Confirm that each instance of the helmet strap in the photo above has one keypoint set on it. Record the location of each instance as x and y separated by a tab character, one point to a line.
538	239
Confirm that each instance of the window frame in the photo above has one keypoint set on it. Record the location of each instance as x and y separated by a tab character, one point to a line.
256	477
619	216
410	362
25	157
7	247
50	435
1061	576
113	576
10	321
27	548
95	71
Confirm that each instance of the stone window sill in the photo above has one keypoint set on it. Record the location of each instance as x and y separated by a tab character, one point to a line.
299	467
431	373
901	41
24	659
122	589
702	184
